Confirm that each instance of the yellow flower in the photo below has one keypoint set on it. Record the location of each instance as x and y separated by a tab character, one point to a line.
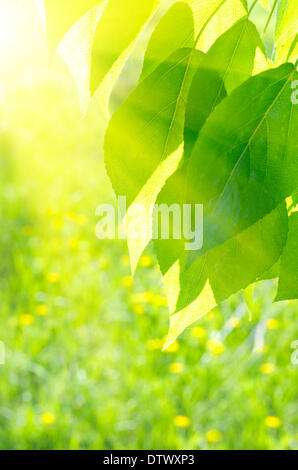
138	309
198	332
27	231
127	281
73	243
273	422
155	344
215	346
81	219
234	322
42	310
57	223
125	260
172	348
53	277
262	349
182	421
146	261
159	301
48	418
267	368
213	435
145	297
176	367
272	324
75	217
26	319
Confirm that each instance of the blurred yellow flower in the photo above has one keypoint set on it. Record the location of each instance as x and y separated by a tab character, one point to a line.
159	301
216	347
213	435
73	243
42	310
146	261
145	297
81	219
182	421
48	418
198	332
267	368
75	217
262	349
273	422
138	309
127	281
57	223
272	324
172	348
155	344
26	319
234	322
176	367
125	260
27	231
53	277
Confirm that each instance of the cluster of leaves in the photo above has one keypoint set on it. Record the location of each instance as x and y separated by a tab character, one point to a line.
199	114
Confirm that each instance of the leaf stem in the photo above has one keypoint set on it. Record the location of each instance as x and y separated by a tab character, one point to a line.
208	21
269	18
292	47
252	7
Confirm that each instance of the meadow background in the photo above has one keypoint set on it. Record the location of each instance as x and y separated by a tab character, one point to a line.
84	367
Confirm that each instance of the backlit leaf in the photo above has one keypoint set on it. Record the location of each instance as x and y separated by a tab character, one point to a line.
143	137
286	26
118	26
245	160
288	273
174	31
61	15
223	271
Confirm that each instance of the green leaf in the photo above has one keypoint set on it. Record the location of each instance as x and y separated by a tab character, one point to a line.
245	160
286	26
144	134
139	166
141	134
228	63
118	26
61	15
288	51
233	54
272	273
288	274
130	74
174	31
206	92
223	271
168	36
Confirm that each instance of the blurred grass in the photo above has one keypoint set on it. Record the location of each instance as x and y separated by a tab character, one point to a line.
84	367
